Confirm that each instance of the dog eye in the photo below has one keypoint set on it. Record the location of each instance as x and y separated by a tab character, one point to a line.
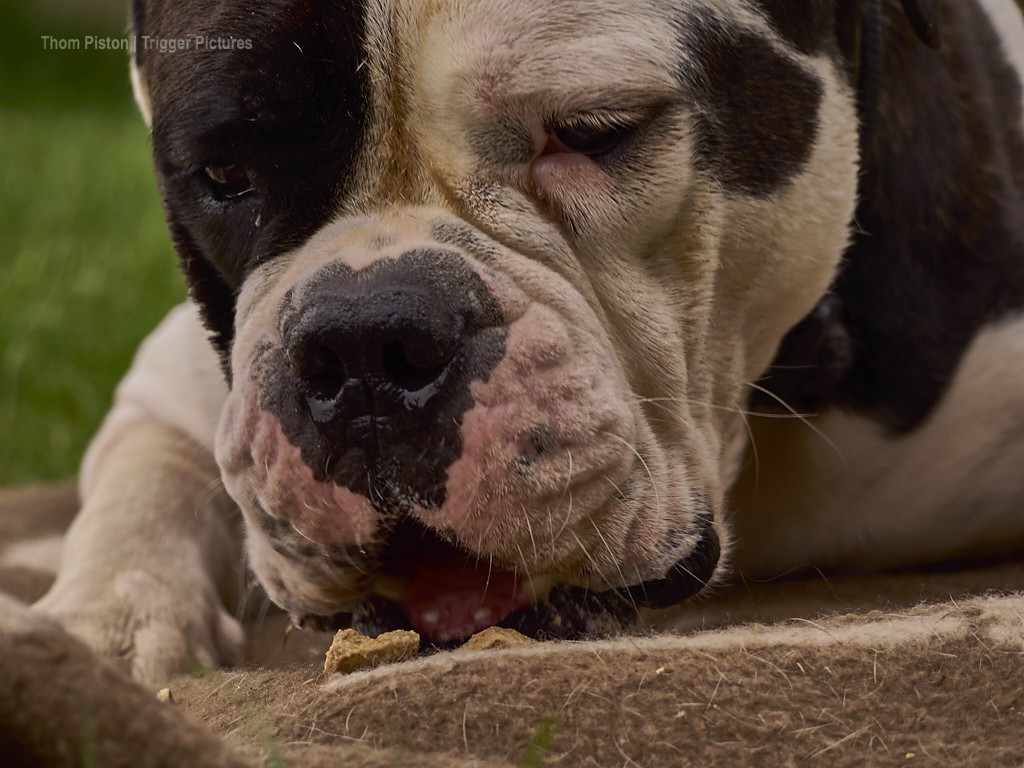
590	138
230	182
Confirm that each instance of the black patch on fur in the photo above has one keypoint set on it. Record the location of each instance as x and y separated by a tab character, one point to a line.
923	17
756	111
807	25
376	444
287	102
940	230
813	360
684	579
574	613
374	617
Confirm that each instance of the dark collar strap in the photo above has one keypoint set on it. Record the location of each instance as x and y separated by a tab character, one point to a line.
871	70
923	17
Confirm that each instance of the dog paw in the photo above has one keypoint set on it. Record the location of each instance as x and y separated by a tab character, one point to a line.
153	628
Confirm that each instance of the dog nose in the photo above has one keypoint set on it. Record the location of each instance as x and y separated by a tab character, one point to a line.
375	370
388	346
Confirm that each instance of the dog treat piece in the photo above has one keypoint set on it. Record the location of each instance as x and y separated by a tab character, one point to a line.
352	651
165	695
494	638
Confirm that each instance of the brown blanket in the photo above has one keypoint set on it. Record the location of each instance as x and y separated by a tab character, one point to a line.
895	669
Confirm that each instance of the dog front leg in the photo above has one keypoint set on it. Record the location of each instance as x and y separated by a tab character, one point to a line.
149	558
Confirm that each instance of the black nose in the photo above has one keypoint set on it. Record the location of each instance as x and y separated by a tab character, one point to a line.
390	343
376	370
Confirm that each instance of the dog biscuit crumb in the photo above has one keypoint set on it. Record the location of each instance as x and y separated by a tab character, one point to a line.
495	638
352	651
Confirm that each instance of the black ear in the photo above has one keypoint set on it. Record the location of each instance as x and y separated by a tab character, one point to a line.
138	21
924	18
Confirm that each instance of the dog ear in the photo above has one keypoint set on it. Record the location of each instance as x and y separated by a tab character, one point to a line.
137	21
924	18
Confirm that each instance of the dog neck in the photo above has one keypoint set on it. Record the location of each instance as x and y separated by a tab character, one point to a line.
941	193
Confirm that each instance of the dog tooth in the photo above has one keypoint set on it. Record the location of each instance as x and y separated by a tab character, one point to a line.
484	615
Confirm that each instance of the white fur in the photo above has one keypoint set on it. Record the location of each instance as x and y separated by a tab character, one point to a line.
141	93
175	379
37	554
838	490
1006	18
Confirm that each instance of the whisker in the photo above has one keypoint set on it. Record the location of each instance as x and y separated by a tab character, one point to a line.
568	474
213	489
529	529
805	419
487	582
493	519
753	450
261	614
643	463
691	574
567	491
312	541
523	563
346	552
662	401
614	560
595	567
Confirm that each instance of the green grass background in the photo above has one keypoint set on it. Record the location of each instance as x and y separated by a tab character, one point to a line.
86	267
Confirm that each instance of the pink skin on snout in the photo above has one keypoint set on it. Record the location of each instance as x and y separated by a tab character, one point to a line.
511	498
256	457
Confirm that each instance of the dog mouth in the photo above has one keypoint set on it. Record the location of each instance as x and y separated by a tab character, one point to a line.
446	594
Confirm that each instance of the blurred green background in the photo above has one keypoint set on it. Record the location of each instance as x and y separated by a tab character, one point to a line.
86	267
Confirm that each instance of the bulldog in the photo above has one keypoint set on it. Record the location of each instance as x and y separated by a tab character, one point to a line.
538	313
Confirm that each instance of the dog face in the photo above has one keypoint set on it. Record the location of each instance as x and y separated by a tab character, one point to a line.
491	281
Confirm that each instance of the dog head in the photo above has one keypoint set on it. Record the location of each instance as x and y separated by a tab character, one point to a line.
492	280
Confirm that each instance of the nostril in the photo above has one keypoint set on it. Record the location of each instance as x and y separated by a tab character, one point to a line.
372	348
412	366
320	368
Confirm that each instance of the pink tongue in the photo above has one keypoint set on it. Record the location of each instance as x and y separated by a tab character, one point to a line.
453	598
